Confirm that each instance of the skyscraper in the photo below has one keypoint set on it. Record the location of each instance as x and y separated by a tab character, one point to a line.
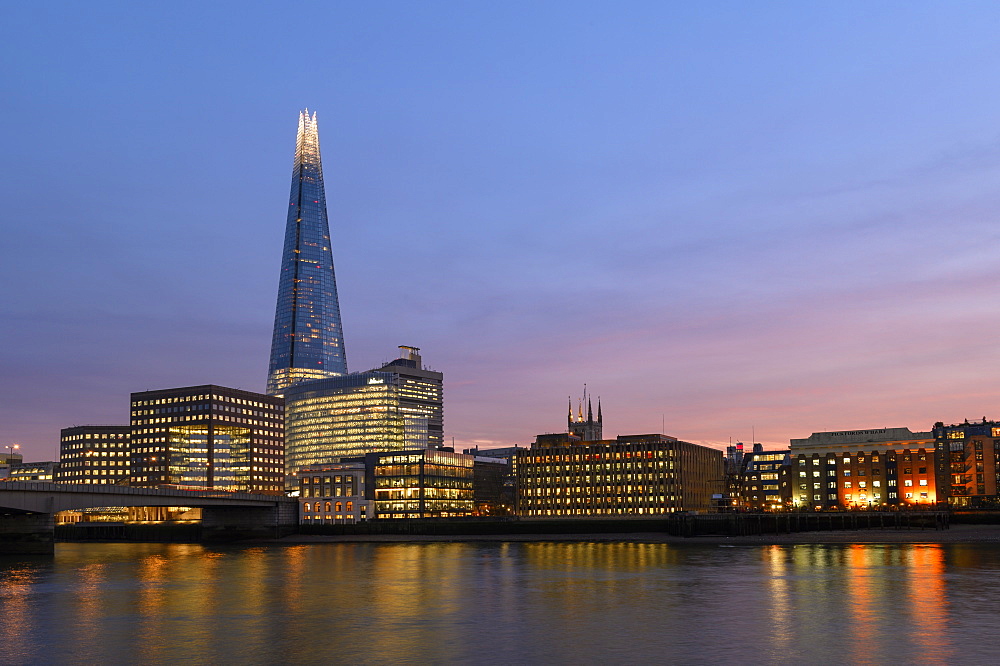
308	340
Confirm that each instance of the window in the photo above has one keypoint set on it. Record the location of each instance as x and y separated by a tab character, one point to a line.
328	506
876	484
923	482
862	484
305	507
847	461
921	470
908	482
340	507
847	472
832	496
350	506
847	484
832	484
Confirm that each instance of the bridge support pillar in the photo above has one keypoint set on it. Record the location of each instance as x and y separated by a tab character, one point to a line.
28	533
228	523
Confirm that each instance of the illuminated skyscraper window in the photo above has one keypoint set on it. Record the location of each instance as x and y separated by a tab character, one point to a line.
308	340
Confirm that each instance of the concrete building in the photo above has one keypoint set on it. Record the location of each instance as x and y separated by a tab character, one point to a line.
566	475
208	437
95	454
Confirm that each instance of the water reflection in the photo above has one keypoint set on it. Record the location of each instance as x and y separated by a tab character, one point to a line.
495	602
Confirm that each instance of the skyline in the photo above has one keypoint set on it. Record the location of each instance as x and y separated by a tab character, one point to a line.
722	218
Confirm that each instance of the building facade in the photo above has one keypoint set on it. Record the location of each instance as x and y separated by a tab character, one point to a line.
95	454
632	475
864	469
765	480
967	467
397	407
308	339
334	494
45	471
208	437
425	483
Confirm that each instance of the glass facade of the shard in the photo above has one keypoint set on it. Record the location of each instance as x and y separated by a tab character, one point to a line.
308	340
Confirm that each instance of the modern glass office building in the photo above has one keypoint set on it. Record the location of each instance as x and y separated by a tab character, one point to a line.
308	340
396	407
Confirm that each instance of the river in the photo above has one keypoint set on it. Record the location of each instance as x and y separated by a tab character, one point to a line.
502	603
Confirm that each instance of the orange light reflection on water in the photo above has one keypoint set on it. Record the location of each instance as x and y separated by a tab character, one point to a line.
928	598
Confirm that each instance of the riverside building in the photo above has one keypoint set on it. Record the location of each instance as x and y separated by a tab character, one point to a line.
765	480
864	469
333	494
396	407
967	468
426	483
564	475
94	454
208	437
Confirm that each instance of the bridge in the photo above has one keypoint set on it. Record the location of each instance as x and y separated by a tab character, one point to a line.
27	511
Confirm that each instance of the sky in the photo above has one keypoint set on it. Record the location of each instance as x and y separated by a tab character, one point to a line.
730	220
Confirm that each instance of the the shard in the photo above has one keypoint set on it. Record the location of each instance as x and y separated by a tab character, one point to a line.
308	340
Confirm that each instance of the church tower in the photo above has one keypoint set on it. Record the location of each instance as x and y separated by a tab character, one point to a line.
587	429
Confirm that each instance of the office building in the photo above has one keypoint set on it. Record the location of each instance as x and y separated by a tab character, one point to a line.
863	469
9	459
45	471
208	437
968	463
563	475
333	494
765	479
308	340
396	407
95	454
426	483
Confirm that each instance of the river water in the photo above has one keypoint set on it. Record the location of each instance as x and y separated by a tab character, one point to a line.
502	603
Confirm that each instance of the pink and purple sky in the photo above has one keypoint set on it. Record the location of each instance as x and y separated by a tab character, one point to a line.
774	217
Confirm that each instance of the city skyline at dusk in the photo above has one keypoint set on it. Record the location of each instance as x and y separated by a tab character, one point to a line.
776	219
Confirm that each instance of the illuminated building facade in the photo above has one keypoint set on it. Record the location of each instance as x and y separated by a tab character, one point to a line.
765	483
208	437
333	494
864	469
967	468
426	483
632	475
397	407
308	340
95	454
34	471
9	459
